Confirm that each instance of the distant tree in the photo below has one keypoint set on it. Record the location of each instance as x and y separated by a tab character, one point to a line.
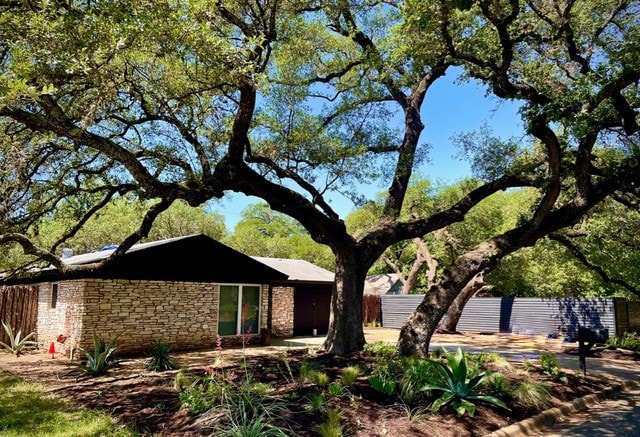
263	232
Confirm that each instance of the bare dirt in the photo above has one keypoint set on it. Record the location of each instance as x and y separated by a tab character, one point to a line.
149	402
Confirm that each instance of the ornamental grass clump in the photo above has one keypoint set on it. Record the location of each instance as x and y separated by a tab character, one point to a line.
458	386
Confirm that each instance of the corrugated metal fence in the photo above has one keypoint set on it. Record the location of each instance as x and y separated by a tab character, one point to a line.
19	309
523	315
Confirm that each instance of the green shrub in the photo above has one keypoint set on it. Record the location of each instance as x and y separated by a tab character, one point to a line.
533	394
498	383
458	387
160	358
319	378
417	373
317	403
380	349
331	427
236	409
336	389
16	343
308	369
349	375
548	363
628	340
101	359
383	384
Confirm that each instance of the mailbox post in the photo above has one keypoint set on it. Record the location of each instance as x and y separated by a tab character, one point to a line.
587	337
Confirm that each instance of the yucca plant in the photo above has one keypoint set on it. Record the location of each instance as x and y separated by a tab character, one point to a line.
101	359
458	386
160	359
17	344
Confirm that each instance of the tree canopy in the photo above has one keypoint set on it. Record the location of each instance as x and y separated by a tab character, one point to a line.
289	100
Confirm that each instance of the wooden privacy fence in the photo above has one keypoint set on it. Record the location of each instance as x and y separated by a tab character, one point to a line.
370	309
19	309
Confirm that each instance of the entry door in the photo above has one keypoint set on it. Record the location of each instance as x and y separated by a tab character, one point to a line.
311	310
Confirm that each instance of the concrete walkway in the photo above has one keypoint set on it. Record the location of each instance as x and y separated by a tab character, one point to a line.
616	417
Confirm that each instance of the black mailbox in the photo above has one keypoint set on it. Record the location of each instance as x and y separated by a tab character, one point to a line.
587	337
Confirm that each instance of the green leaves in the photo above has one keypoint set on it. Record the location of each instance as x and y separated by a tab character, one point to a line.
17	343
459	386
101	359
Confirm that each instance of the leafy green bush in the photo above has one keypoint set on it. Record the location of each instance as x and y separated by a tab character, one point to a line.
498	383
628	340
533	394
458	388
380	349
548	363
349	375
160	358
382	383
417	373
101	359
16	343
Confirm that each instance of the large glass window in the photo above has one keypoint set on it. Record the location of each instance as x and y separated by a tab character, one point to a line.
239	311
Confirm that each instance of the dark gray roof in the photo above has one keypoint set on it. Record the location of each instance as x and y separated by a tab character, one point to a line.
297	269
387	283
88	258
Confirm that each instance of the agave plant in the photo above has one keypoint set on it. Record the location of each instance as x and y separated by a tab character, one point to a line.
101	359
160	358
458	386
16	343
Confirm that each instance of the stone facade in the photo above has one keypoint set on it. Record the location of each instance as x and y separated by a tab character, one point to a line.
282	318
136	313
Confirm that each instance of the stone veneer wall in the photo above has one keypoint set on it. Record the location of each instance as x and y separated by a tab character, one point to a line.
65	318
282	320
183	314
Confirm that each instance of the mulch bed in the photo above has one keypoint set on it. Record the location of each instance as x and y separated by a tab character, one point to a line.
150	402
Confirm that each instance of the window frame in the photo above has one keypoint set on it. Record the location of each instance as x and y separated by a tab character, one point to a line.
53	295
239	307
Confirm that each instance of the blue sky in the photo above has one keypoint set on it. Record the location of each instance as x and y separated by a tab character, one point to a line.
449	109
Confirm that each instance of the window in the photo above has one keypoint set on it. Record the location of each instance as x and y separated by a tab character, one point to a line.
54	296
239	311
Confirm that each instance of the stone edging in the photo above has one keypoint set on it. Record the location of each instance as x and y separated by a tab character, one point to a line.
550	416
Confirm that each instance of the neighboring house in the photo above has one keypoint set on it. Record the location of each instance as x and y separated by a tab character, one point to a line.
184	291
301	303
387	283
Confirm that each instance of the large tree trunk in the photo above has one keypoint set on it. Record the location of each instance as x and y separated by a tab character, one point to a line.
450	320
345	333
416	333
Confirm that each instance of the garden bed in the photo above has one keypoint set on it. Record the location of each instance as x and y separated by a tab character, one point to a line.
150	403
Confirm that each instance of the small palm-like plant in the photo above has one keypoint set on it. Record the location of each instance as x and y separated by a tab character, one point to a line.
458	386
160	359
101	359
17	344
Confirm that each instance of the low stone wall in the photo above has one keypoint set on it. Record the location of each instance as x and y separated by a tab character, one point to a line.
282	320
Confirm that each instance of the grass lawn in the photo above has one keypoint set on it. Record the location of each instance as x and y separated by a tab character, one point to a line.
26	411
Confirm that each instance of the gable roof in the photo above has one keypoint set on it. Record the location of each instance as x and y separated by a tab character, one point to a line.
193	258
387	283
298	270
